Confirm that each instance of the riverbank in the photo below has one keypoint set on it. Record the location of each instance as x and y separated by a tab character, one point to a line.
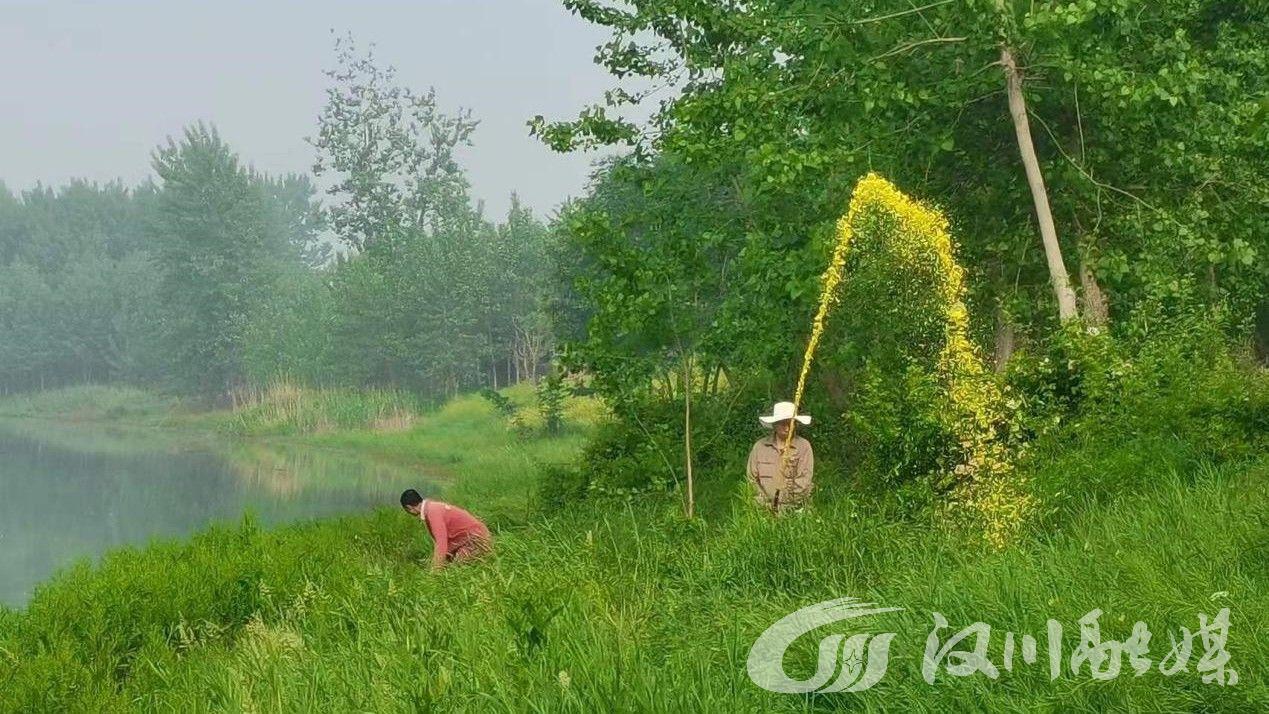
620	604
473	452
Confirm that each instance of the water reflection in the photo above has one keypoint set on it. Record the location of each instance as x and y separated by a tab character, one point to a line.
68	492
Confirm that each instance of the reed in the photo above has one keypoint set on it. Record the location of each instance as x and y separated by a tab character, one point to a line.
284	406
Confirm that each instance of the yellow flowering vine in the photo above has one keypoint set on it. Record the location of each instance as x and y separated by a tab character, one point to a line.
987	492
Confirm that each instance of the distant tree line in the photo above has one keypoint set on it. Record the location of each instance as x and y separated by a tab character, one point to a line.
213	276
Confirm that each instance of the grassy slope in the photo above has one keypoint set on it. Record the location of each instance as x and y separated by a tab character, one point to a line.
623	606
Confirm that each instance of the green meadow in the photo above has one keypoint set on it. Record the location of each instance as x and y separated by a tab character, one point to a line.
1004	265
619	603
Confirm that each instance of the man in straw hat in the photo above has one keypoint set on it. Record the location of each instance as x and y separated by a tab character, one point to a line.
780	482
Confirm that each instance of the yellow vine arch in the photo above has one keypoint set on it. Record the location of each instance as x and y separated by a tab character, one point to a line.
987	493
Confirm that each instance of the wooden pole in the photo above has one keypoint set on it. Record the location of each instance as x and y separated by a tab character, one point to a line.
687	433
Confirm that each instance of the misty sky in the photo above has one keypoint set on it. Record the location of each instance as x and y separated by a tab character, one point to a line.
91	88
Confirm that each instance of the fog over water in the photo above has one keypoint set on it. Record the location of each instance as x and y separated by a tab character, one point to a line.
72	492
92	88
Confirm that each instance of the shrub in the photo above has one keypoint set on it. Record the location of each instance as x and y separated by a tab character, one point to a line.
922	404
1183	377
552	392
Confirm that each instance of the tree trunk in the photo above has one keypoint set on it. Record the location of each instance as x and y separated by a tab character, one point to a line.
687	434
1005	340
1096	307
1044	215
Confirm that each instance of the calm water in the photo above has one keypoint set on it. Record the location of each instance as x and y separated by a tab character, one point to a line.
68	493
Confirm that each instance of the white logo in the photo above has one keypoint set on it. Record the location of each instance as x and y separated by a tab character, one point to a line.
863	656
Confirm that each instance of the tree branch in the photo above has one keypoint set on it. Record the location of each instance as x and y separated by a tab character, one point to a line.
908	47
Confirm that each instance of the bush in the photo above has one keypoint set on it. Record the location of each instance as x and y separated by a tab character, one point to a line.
641	450
285	407
552	393
923	404
557	487
1175	399
1184	377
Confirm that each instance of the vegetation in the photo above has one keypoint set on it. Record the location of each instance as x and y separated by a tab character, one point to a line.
599	605
214	278
283	407
91	402
994	439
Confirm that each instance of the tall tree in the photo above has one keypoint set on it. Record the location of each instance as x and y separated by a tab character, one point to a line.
1140	116
391	151
219	247
434	292
295	198
523	268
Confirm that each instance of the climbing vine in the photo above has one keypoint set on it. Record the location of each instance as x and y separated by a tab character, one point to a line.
897	259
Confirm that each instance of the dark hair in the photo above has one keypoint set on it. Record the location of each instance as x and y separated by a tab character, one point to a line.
410	498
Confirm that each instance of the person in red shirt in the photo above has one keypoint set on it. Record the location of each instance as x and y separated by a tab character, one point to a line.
458	536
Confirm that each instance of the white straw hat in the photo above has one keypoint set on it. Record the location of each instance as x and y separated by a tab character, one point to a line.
784	411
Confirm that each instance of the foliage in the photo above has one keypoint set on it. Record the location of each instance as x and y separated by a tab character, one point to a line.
282	407
1149	124
906	333
391	151
436	299
77	294
1182	379
648	279
552	392
601	608
218	251
214	277
505	408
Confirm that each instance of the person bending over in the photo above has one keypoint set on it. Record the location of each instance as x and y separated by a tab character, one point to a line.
457	535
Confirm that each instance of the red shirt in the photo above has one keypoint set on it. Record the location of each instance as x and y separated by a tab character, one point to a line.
451	528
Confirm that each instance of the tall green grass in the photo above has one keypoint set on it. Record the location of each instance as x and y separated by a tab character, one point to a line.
618	604
286	407
625	607
480	457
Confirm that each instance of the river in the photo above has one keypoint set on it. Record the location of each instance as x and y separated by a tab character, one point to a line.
69	492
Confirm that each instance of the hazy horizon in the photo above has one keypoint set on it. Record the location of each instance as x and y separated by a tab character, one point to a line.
95	88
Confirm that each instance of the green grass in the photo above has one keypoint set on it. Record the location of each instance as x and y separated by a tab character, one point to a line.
93	402
479	457
283	407
623	606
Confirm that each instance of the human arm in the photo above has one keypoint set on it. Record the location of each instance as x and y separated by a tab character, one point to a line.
434	515
751	468
806	470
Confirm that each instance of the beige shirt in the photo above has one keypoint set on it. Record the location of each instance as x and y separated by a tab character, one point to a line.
764	470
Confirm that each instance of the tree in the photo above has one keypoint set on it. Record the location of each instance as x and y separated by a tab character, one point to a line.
653	254
79	286
520	309
392	151
25	300
1039	194
1142	115
219	247
295	198
436	298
